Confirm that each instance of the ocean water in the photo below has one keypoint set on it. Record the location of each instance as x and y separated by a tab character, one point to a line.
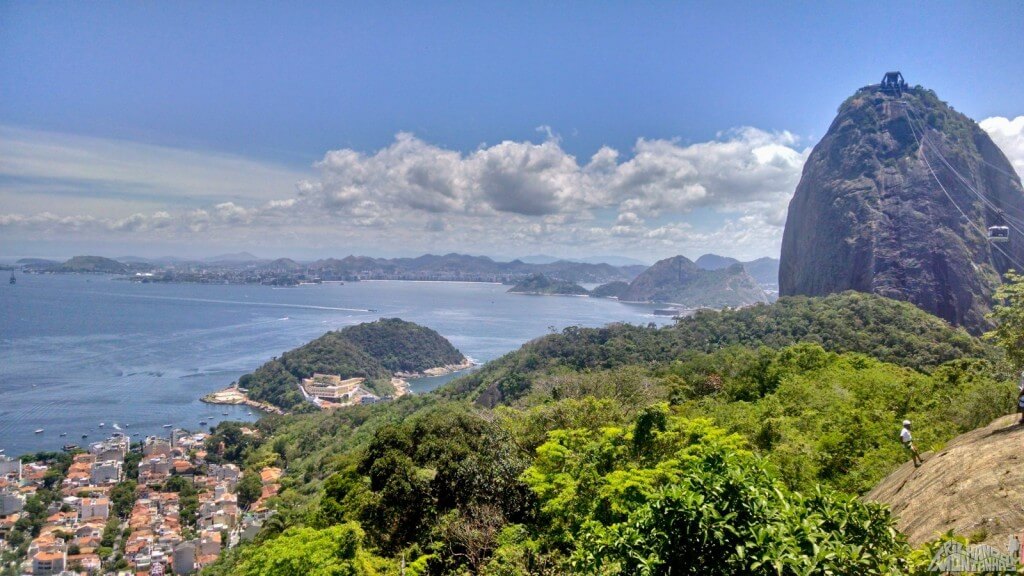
79	350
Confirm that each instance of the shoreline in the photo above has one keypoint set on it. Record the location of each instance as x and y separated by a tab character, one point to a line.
437	371
233	395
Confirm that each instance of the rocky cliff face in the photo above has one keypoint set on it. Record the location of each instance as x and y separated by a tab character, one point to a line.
678	280
869	215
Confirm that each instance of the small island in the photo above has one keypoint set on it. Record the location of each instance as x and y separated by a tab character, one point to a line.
543	285
360	364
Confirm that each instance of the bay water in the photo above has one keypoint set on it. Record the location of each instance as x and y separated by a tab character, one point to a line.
78	350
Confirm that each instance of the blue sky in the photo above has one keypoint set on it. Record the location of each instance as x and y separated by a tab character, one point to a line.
189	127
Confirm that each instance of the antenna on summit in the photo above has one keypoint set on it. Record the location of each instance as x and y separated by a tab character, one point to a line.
893	82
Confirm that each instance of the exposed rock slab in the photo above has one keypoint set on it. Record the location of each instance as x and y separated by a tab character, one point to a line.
973	486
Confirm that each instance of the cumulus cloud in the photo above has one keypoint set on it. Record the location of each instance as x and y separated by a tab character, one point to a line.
505	195
1009	136
745	169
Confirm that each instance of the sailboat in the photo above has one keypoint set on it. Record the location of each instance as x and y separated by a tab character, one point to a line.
13	279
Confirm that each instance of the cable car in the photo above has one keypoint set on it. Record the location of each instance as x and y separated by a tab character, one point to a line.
998	234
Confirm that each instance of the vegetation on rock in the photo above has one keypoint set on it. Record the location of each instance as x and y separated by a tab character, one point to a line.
630	450
541	284
679	281
372	350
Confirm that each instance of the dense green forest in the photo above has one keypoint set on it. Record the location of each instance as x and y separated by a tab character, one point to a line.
731	443
402	346
541	284
372	350
888	330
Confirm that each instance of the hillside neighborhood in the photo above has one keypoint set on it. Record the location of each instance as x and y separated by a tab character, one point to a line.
160	506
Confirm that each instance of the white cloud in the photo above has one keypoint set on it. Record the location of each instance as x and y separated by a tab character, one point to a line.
1009	136
499	198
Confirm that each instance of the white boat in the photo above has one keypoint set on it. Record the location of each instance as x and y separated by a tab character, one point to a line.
63	434
167	425
116	427
39	431
102	424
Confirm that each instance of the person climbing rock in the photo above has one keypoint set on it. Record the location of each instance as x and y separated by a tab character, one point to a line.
1020	406
908	443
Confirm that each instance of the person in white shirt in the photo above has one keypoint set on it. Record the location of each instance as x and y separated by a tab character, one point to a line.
908	443
1020	405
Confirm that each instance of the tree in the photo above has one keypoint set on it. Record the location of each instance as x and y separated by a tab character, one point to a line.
689	499
250	488
333	551
1008	313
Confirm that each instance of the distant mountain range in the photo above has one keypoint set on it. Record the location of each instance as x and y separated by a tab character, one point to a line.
613	260
677	281
680	281
764	270
711	281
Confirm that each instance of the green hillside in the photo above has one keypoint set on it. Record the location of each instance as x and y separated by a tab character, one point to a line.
630	450
885	329
541	284
372	350
402	346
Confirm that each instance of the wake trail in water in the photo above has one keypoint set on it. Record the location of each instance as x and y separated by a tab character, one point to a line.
233	302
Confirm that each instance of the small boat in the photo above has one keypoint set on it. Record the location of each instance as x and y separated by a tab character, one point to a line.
167	425
202	422
223	413
116	427
63	434
1	450
13	279
39	431
70	447
102	424
84	436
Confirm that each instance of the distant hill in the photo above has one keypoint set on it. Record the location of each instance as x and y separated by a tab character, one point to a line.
680	281
538	259
455	265
283	265
715	262
541	284
372	350
93	264
764	270
610	290
37	264
233	257
618	261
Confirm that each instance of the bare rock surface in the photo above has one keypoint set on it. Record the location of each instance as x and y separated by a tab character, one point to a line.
974	486
869	215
